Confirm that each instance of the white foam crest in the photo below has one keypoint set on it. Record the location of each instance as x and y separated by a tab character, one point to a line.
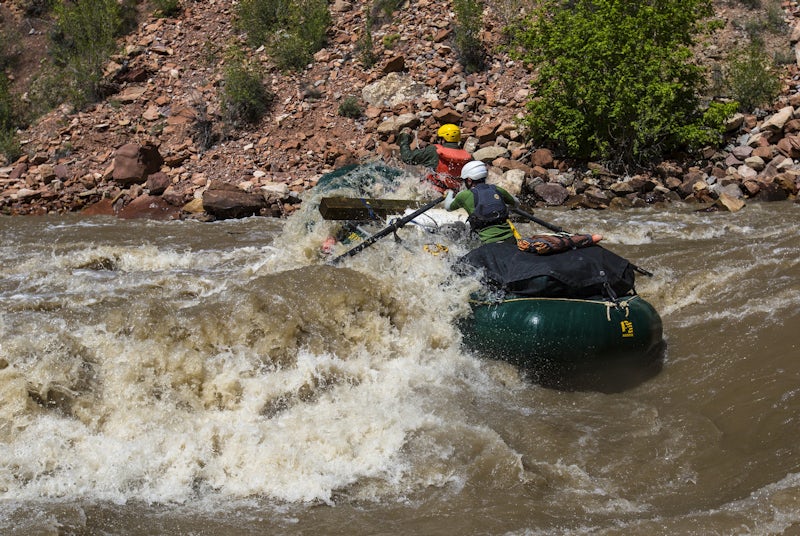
679	290
771	509
154	435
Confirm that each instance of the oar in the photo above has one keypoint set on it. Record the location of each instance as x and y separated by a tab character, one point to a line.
552	227
394	226
557	229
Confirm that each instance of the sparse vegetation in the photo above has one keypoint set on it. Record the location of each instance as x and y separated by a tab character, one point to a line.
389	40
349	108
625	92
37	8
167	8
511	11
751	77
9	114
203	133
382	10
614	80
365	45
768	19
245	97
9	48
9	122
292	30
83	37
469	21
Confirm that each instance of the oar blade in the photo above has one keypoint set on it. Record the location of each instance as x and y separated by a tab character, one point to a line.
361	209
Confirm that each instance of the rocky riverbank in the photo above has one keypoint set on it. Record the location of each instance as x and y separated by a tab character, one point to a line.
156	147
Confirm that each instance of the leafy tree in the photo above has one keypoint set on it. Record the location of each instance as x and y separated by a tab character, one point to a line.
614	78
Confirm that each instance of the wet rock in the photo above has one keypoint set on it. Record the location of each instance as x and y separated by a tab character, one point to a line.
225	201
542	158
150	207
771	192
104	207
551	193
157	183
134	162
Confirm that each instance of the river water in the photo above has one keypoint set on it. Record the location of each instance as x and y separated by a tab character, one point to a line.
219	378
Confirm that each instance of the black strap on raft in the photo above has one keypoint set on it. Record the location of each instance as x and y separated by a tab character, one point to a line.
610	291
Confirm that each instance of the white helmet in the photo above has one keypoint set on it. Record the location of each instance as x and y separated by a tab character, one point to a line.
474	170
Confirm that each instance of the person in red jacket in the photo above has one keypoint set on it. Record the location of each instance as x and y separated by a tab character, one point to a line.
445	158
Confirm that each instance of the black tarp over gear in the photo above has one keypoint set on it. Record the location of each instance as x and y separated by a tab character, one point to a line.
590	272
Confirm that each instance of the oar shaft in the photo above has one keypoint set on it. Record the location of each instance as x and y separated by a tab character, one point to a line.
548	225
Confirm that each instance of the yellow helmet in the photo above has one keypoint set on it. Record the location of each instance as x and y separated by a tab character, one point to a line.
449	132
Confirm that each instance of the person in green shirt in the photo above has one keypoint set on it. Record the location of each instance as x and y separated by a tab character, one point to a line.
486	204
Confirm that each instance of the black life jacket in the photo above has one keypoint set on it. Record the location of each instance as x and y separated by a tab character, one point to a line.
490	209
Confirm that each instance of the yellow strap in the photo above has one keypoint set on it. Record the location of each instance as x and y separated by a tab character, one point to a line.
514	230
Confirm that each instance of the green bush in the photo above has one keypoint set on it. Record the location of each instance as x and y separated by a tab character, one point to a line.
469	20
364	45
710	129
245	98
167	8
390	40
292	30
349	108
9	145
614	80
290	51
260	18
382	10
37	8
751	78
83	37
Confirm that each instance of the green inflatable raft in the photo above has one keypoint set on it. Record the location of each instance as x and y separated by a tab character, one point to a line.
570	315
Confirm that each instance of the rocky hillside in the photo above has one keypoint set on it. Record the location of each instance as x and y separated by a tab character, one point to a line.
145	150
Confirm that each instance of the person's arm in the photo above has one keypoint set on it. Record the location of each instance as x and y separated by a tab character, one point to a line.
463	199
426	156
448	199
